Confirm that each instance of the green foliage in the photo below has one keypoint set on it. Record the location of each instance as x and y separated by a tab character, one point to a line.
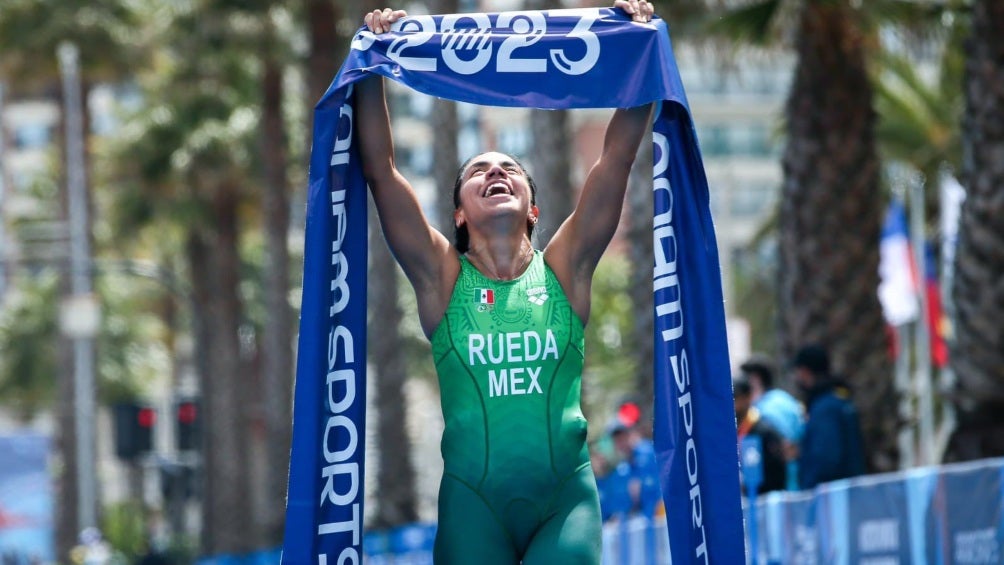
755	292
611	356
752	23
416	346
131	351
28	352
125	528
920	113
129	355
31	31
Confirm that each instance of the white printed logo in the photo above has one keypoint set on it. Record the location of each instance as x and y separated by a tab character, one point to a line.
363	40
516	30
537	295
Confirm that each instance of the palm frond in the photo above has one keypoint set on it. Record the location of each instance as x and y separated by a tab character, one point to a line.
753	23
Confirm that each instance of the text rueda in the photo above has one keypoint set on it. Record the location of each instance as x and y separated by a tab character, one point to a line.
475	36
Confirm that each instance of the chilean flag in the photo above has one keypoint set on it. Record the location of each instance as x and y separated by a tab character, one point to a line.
898	289
937	321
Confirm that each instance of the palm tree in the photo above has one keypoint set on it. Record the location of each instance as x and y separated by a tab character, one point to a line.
30	32
395	475
186	164
831	204
445	150
278	333
640	251
978	349
919	118
831	214
551	161
327	39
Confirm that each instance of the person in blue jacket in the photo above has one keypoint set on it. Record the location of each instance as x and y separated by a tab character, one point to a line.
784	412
642	467
831	446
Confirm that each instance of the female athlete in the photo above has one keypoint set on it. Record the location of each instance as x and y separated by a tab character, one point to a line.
506	326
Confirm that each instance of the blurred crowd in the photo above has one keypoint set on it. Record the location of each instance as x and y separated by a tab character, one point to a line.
808	435
808	438
625	466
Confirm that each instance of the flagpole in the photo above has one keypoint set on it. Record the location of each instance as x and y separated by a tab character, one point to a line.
951	195
79	315
905	439
922	339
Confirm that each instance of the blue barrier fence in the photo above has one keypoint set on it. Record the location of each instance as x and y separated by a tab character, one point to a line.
953	514
933	515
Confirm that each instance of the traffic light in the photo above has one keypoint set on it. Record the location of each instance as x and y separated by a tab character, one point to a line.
134	424
187	420
178	481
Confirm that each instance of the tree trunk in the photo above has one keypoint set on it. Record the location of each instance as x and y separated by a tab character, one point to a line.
214	263
445	148
830	220
395	472
640	253
398	503
551	167
978	351
278	334
551	162
327	49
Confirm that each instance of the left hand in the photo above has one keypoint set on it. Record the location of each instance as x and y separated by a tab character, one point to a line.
639	10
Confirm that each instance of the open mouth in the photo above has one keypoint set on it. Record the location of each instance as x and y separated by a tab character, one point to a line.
497	188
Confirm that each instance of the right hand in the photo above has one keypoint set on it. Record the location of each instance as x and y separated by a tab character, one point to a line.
379	21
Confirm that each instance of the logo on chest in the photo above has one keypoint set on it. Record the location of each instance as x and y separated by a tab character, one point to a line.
537	295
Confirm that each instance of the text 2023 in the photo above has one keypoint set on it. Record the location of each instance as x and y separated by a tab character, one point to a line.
519	30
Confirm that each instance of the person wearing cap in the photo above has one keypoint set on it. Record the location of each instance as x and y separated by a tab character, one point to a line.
778	407
639	454
831	446
750	422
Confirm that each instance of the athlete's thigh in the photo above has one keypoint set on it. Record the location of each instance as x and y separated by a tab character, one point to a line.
574	535
468	531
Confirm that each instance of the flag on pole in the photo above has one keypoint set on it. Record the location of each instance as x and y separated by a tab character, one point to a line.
898	288
937	321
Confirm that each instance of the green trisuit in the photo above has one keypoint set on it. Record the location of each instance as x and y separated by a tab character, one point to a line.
517	484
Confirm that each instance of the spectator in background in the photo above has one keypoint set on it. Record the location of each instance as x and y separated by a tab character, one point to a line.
639	454
831	446
778	407
750	422
612	478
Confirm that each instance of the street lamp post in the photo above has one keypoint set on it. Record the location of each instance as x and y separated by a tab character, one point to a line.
79	315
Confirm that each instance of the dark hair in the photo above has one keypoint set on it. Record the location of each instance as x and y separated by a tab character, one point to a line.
814	358
741	387
760	366
461	237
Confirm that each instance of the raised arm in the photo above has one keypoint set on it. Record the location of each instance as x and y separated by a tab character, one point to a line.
425	254
578	244
580	241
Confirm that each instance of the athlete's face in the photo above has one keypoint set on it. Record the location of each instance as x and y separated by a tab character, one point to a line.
493	185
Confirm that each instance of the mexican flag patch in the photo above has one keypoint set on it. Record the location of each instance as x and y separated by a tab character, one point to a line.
484	296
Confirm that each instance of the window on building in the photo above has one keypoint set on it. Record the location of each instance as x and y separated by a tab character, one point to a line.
751	200
32	136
